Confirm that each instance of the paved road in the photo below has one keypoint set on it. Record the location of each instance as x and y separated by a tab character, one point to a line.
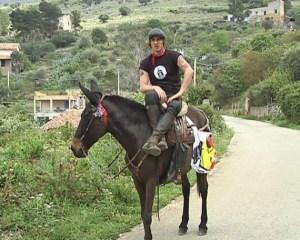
254	193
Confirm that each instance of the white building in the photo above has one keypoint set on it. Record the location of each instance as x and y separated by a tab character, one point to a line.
48	106
6	49
65	23
274	11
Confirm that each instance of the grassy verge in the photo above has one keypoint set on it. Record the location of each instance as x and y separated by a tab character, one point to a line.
47	194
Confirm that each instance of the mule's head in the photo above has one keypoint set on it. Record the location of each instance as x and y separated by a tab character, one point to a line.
93	122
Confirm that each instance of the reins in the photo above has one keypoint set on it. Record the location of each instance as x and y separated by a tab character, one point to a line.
130	163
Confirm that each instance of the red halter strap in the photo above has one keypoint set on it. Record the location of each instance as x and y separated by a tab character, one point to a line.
102	112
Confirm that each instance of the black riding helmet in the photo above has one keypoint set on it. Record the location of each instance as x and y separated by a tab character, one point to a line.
156	32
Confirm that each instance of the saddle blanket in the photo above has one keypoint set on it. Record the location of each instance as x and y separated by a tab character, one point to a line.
204	153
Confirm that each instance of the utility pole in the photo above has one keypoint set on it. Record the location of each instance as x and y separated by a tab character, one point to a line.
8	85
118	82
195	71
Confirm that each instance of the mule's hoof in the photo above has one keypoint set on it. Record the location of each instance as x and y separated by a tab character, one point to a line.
182	231
202	231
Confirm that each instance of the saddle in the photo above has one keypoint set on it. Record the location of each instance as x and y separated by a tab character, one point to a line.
181	131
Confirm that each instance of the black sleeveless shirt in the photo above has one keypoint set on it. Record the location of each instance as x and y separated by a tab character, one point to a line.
164	72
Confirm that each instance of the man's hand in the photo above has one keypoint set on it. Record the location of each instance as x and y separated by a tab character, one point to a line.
161	94
177	95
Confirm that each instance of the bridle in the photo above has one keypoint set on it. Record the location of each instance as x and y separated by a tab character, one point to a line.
100	112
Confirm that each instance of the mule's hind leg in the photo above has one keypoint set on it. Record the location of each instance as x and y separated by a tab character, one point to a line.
186	196
203	190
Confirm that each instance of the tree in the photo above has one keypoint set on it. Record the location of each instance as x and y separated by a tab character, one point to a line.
221	41
63	39
236	8
103	18
267	24
232	84
49	17
4	22
296	15
76	19
289	101
256	3
124	11
291	62
98	36
25	21
253	68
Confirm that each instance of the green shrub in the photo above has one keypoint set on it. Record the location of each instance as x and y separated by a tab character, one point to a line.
124	11
291	61
84	42
261	42
63	39
217	122
36	50
92	54
103	18
289	101
98	36
196	95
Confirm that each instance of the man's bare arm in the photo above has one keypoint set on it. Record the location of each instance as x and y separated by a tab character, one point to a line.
187	73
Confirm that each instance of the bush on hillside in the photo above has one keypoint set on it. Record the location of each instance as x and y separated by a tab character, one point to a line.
84	42
63	39
152	23
124	11
98	36
267	24
289	101
38	49
103	18
262	42
196	95
217	122
291	61
92	54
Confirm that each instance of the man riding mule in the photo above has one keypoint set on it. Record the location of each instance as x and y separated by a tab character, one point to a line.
127	121
161	84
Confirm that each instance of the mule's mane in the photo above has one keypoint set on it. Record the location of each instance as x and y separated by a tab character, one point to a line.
134	110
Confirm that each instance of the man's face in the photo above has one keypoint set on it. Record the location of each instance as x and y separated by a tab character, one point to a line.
157	44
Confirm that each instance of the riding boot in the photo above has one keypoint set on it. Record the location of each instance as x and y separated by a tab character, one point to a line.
151	146
153	112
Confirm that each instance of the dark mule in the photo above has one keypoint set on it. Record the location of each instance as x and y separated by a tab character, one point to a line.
127	121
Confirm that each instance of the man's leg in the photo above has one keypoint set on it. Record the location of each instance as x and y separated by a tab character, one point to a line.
163	125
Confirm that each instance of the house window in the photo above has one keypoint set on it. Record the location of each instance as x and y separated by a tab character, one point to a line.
256	12
275	11
265	12
2	63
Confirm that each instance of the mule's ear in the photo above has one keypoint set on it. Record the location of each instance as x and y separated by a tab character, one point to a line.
94	87
91	96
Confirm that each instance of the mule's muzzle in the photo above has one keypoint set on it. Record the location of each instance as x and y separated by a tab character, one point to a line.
78	149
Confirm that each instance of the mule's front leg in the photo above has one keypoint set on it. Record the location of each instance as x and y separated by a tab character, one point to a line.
147	216
186	197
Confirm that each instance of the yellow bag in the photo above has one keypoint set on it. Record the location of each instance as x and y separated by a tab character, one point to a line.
208	156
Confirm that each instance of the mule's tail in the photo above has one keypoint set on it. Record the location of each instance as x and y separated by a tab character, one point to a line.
202	184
